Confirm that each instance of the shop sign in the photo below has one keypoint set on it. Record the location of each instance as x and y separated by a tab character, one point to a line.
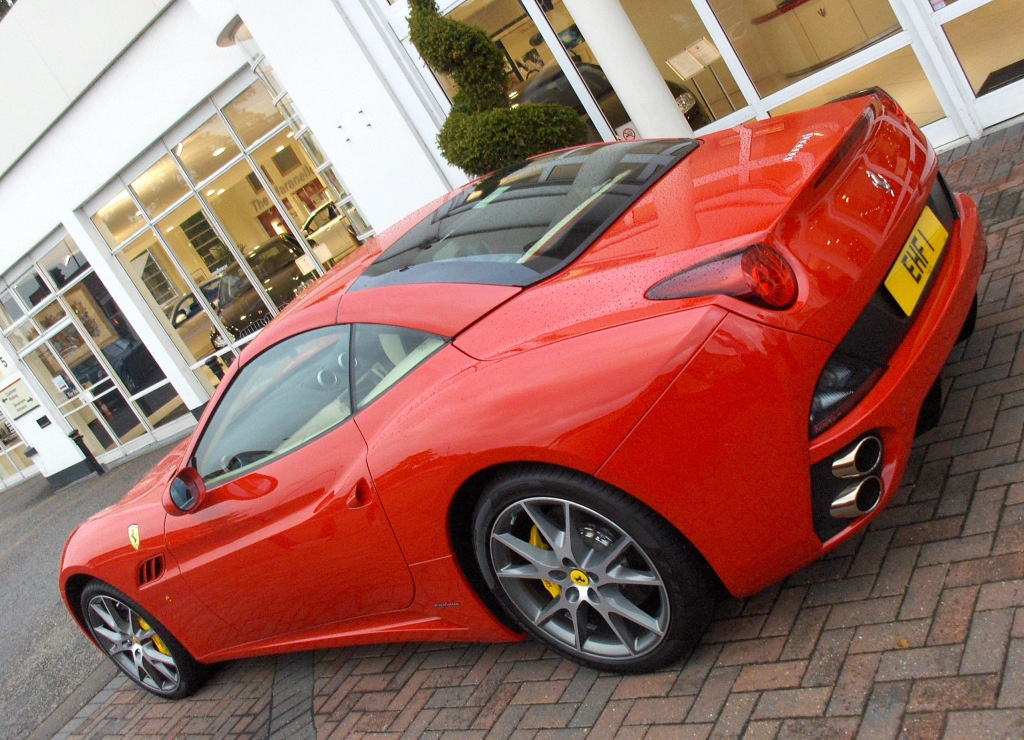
62	385
16	401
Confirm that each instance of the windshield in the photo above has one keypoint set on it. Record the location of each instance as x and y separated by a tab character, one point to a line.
525	222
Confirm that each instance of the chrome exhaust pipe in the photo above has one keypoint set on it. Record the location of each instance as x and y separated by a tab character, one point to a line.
859	500
861	460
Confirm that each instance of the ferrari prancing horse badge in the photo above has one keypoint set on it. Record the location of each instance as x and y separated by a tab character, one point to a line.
133	535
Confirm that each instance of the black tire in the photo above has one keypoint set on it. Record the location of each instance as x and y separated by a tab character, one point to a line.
136	642
623	590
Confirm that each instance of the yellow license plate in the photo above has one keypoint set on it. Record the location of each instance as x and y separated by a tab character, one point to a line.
909	276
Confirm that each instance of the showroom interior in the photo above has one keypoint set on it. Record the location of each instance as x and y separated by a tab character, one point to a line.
190	166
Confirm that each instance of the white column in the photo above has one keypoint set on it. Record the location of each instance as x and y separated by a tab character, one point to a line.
629	67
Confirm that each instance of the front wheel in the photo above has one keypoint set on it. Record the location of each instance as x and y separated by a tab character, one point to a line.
138	644
591	572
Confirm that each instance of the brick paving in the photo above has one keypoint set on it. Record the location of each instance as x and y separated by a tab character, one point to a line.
915	629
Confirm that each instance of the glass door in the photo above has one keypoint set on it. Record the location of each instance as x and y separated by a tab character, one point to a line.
986	49
72	336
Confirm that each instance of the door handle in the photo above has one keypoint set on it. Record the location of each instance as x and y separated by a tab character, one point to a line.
359	496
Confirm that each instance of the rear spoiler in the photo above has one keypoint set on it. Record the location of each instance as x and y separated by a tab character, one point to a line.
866	92
858	134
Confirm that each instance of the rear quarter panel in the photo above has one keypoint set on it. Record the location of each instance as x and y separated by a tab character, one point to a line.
567	403
724	457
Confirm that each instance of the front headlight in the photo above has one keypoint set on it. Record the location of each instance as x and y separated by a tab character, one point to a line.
843	383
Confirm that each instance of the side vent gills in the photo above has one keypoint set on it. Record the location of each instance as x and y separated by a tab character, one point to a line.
151	569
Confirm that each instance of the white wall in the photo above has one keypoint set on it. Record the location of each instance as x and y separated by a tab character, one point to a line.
353	109
163	75
61	46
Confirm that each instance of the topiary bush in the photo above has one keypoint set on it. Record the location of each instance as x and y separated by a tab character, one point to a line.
484	132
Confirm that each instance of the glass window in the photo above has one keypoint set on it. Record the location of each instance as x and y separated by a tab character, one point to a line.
51	375
252	114
310	145
6	466
532	74
290	394
194	242
8	435
79	358
94	432
19	458
31	288
339	195
900	73
274	255
703	88
326	227
383	355
49	316
206	150
107	328
119	220
119	416
64	263
154	273
269	77
160	187
22	334
161	406
989	44
10	311
779	43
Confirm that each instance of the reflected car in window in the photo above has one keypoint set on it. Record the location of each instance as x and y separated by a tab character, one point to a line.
574	400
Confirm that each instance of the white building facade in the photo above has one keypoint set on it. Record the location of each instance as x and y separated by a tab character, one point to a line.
174	171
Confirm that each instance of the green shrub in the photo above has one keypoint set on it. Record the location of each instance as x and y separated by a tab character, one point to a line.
483	132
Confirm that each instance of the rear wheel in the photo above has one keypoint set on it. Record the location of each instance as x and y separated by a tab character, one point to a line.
138	644
591	572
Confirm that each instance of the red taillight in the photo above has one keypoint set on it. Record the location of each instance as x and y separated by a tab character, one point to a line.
769	276
758	274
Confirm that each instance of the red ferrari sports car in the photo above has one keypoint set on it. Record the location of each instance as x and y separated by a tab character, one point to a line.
574	399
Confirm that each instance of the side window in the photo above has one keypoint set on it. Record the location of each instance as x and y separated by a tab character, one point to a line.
382	355
290	394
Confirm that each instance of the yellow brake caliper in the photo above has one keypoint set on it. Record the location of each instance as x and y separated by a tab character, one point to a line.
143	624
537	541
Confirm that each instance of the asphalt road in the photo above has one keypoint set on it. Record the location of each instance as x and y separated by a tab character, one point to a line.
44	657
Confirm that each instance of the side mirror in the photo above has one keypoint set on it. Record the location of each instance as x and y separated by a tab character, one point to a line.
186	492
179	318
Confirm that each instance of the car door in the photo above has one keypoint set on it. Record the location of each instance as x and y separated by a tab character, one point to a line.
290	534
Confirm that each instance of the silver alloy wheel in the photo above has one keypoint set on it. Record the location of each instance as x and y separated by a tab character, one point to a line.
579	579
133	644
